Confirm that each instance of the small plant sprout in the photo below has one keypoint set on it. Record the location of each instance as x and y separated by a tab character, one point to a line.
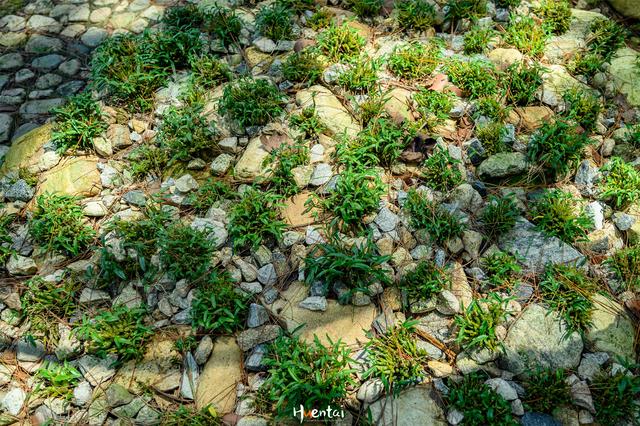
556	15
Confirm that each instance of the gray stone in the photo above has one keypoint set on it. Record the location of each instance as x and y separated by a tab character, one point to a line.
148	416
386	220
97	370
257	316
117	395
130	410
321	174
47	62
314	303
538	419
10	61
252	337
79	13
32	109
370	390
623	221
70	67
203	350
267	275
48	80
94	36
28	351
135	198
413	407
13	400
12	23
502	388
40	23
264	44
21	265
254	360
190	377
19	191
43	44
502	165
24	75
89	295
581	395
6	124
70	88
591	364
221	164
82	393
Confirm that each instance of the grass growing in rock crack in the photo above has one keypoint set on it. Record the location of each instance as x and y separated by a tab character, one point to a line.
492	137
77	122
148	160
189	416
615	397
477	39
254	220
282	161
475	78
480	404
521	82
465	9
275	22
322	18
365	8
625	264
356	265
502	269
252	102
558	214
356	194
396	359
428	215
224	24
567	291
556	148
583	107
208	72
433	105
58	224
546	389
526	35
308	122
185	253
188	16
6	241
311	374
440	171
361	76
303	67
499	216
414	61
120	331
556	15
417	15
620	184
373	108
210	192
604	39
57	380
218	307
425	281
340	43
491	108
477	324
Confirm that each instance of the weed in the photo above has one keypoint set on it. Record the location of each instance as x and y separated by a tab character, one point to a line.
77	123
303	67
547	389
615	397
526	35
356	194
477	39
218	307
284	160
10	7
417	15
306	374
224	24
308	123
208	72
432	103
491	108
583	107
187	416
492	137
556	149
275	22
606	38
521	83
502	269
120	331
499	216
625	264
148	160
438	222
322	18
440	171
479	404
414	61
465	9
210	192
477	324
425	281
476	78
58	224
568	291
585	63
298	6
365	8
181	17
508	3
185	252
6	241
620	184
57	380
361	76
396	359
556	15
372	108
554	213
252	102
340	43
254	220
186	344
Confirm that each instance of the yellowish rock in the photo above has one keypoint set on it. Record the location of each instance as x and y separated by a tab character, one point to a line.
221	374
77	176
27	149
251	164
329	110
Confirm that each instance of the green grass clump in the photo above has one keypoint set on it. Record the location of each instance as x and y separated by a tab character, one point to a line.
556	148
477	324
224	24
491	108
378	144
189	416
185	253
275	22
480	404
521	82
361	76
180	17
210	192
372	108
148	160
477	39
396	359
476	78
499	216
120	331
620	184
365	8
10	7
252	102
502	269
568	292
466	9
491	136
615	397
340	43
583	107
425	281
546	390
441	172
414	61
208	72
283	160
298	6
77	122
604	39
554	213
254	220
6	251
417	15
625	264
357	265
433	105
508	3
556	15
308	122
303	67
46	303
218	308
357	193
526	35
306	374
58	224
438	222
57	380
321	18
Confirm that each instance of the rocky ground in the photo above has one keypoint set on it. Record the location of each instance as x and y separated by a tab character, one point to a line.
58	367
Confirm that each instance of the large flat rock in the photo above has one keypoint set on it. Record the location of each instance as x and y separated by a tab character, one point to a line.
251	164
77	176
626	74
218	380
413	407
27	149
612	330
329	109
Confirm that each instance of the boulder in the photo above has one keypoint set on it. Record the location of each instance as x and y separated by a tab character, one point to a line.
502	165
561	47
533	117
626	73
27	149
78	176
555	82
329	110
612	330
413	407
628	8
503	58
217	383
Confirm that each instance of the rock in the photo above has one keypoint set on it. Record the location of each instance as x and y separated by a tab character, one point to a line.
329	110
502	388
21	265
536	249
454	417
95	209
148	416
252	337
82	393
117	395
68	344
440	369
321	174
78	176
97	370
591	364
254	360
13	400
610	329
27	351
119	136
386	220
217	384
502	165
581	395
190	377
627	74
94	36
251	164
221	164
538	337
556	82
10	61
6	124
90	295
503	58
448	303
413	407
538	419
257	316
203	350
459	285
370	390
267	275
533	117
102	146
628	8
623	221
397	105
131	409
314	303
135	198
